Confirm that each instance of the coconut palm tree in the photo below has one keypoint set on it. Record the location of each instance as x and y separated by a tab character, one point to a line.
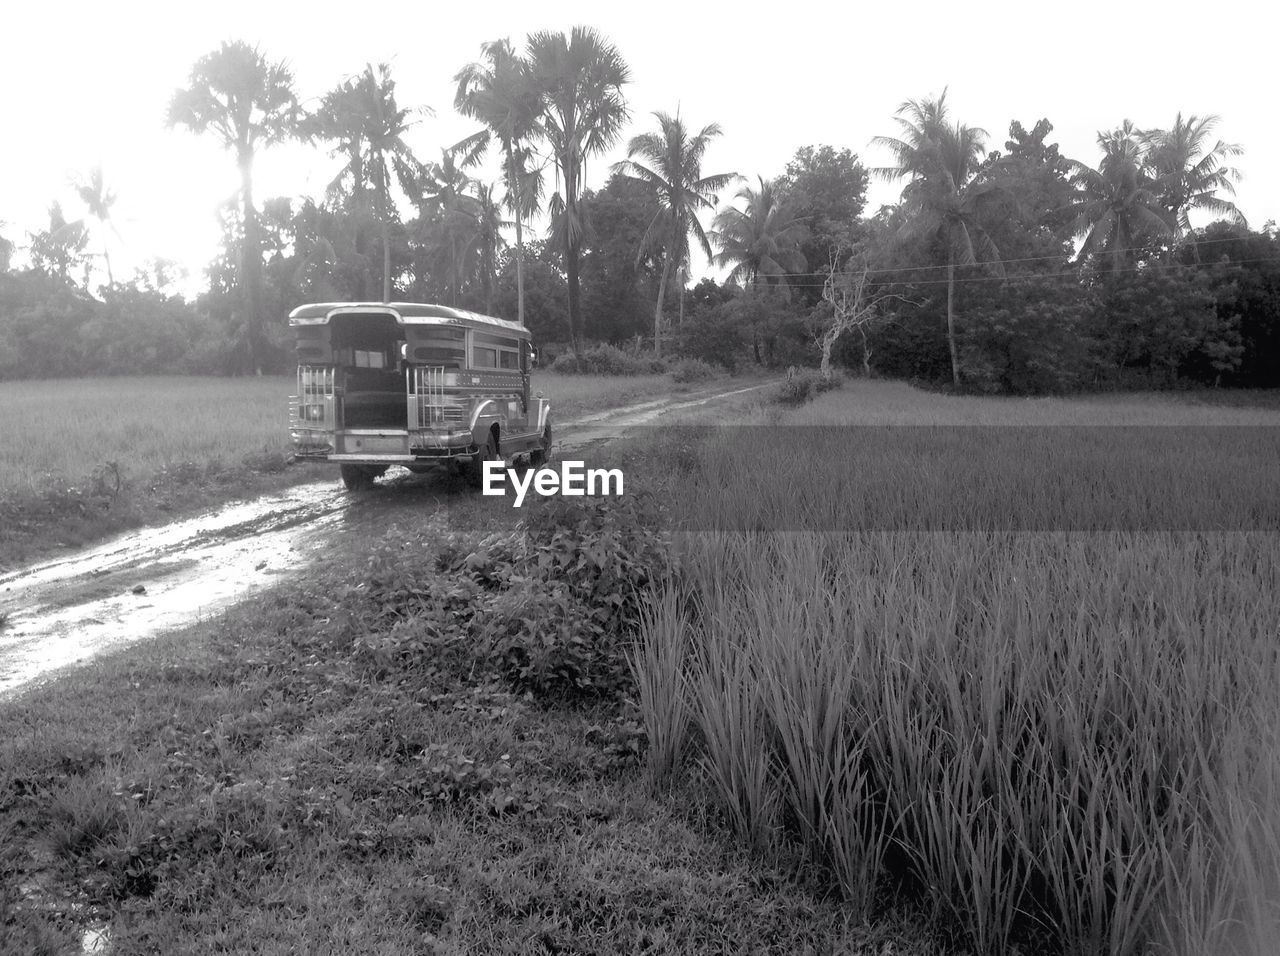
1118	207
449	223
488	240
579	78
500	94
362	117
1190	174
98	199
948	192
249	103
762	240
672	171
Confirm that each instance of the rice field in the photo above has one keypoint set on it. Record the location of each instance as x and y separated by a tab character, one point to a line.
1054	738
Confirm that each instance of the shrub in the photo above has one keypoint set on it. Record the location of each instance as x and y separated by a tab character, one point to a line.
798	388
692	370
608	360
551	610
566	364
1025	346
833	381
716	338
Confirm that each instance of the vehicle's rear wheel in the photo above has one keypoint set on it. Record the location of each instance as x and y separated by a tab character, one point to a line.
488	452
538	457
360	477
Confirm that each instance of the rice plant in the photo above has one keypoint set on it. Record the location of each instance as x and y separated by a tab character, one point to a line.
1059	740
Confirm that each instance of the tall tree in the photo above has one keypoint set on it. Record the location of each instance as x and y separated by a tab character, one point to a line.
580	79
828	190
1117	209
362	117
1029	230
672	171
1190	174
249	103
6	252
448	224
98	200
948	191
500	93
618	288
762	240
56	250
488	240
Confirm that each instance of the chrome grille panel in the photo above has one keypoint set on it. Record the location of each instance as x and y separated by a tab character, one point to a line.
428	405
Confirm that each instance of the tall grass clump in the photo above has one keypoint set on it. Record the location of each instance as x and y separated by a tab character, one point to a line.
1059	742
658	666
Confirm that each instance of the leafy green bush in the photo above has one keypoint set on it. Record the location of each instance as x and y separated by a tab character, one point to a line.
608	360
692	370
549	610
559	628
716	337
799	387
1023	345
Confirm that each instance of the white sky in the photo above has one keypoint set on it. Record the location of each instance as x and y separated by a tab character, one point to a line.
83	83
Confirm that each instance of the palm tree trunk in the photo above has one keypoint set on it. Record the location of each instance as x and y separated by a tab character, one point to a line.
951	326
106	257
386	261
250	265
571	270
683	279
657	311
755	327
571	252
385	226
515	195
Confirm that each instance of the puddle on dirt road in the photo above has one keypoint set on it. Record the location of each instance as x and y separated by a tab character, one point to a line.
68	609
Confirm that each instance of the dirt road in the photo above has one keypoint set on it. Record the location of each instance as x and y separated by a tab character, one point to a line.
67	609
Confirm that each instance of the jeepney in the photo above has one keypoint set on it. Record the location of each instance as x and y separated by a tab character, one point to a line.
413	384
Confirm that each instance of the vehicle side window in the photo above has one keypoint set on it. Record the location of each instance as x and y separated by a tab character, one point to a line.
483	357
508	359
439	346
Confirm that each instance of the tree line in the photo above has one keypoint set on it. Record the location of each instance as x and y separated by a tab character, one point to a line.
1015	270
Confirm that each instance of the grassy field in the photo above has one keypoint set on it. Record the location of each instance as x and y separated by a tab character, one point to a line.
66	429
88	457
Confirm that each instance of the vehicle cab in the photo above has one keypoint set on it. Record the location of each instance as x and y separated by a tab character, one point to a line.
413	384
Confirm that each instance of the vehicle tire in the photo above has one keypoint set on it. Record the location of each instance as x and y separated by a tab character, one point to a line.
488	452
538	457
360	477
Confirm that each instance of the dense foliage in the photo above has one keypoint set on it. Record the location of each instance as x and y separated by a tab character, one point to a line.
1011	270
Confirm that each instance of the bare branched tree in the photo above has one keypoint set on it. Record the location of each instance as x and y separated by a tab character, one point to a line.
855	305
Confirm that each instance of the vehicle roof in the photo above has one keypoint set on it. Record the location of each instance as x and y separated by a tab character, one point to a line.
407	313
